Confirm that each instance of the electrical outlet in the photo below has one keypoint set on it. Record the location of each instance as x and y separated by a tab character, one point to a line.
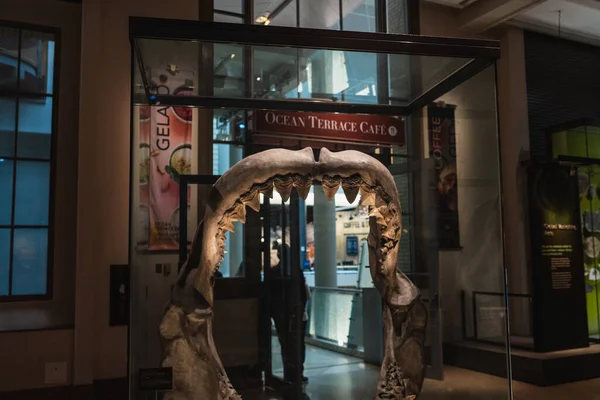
56	373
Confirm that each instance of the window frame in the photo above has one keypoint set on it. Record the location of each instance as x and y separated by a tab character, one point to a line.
17	95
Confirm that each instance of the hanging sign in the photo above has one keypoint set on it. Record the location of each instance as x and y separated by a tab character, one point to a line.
363	128
442	148
165	153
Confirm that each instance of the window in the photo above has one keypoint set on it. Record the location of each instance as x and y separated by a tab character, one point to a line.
27	116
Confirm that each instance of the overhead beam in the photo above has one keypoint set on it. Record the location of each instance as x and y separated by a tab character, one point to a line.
485	14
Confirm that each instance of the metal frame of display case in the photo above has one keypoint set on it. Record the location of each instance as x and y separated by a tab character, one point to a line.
482	53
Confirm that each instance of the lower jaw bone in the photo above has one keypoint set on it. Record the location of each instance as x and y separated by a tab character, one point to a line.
186	326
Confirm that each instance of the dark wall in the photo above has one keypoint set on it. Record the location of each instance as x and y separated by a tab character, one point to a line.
563	84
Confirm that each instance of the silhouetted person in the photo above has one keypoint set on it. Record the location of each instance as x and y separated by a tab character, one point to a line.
283	311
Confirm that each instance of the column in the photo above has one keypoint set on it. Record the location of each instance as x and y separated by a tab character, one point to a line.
512	104
325	246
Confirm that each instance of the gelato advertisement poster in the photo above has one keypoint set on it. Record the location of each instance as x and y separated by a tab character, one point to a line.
442	148
589	207
165	154
556	251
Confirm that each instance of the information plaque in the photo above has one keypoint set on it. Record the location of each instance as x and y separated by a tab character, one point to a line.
559	306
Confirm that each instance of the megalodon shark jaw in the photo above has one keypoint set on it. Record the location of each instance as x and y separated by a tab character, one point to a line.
404	314
282	170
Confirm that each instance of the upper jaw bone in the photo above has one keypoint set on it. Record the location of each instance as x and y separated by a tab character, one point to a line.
240	182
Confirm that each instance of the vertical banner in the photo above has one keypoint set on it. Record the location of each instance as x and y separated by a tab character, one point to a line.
559	303
442	148
166	154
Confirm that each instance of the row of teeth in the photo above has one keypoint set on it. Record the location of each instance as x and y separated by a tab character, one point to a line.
380	205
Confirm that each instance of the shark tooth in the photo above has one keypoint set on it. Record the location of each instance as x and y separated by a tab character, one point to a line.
238	213
284	185
389	233
284	190
367	198
266	189
227	225
330	191
330	186
351	193
220	240
253	201
303	191
302	185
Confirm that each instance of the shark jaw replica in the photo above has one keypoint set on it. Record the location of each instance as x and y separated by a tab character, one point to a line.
186	327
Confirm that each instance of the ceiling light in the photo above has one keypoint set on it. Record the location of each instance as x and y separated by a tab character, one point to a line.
267	22
232	55
262	18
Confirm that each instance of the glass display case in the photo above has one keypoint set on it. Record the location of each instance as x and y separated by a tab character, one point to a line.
206	96
577	143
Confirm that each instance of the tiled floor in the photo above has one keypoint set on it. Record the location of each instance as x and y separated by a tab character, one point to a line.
334	376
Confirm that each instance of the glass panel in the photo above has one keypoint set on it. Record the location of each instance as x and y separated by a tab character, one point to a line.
169	64
35	128
276	72
9	55
280	288
6	190
281	72
396	16
234	6
227	18
33	193
458	247
412	75
4	260
30	261
228	70
359	15
224	156
229	125
37	62
8	123
276	13
589	205
320	14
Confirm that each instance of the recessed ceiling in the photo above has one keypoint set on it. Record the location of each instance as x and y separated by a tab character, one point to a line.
579	19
